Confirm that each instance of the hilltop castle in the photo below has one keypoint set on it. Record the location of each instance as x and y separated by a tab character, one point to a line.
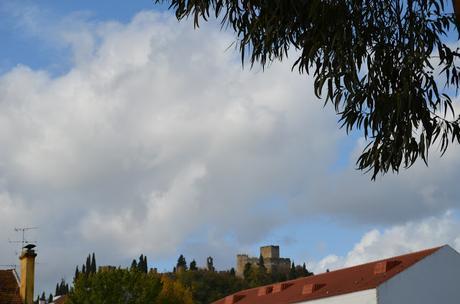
271	257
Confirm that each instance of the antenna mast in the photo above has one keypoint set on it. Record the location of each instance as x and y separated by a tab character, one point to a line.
23	240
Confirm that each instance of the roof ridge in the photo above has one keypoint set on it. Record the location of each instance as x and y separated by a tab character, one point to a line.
16	276
434	249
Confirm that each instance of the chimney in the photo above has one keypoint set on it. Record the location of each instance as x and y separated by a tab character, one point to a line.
385	266
27	259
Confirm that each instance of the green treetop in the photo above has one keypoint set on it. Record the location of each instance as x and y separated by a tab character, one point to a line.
181	263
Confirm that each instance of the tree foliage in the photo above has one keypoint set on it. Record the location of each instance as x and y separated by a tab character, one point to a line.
61	288
297	271
116	286
181	263
89	266
386	66
257	275
193	266
140	265
173	292
136	285
209	286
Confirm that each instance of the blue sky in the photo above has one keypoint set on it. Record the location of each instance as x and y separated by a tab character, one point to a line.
26	48
126	132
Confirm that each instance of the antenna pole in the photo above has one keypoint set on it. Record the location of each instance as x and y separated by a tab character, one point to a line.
23	230
23	240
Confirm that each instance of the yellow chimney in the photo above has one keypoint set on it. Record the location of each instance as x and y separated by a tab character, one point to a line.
27	259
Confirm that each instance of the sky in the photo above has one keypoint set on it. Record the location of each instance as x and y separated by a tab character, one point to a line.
125	132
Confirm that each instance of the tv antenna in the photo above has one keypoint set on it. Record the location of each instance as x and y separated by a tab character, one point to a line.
23	240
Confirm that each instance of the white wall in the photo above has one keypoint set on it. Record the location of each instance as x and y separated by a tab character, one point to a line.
360	297
435	279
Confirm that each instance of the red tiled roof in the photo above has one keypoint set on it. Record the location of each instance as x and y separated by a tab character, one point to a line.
343	281
9	287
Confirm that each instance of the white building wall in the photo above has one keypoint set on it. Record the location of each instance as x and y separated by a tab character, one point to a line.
435	279
360	297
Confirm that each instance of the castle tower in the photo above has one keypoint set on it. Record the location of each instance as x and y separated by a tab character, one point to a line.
241	261
270	252
27	261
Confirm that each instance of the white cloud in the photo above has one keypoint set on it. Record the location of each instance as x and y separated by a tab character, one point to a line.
153	136
156	136
161	227
396	240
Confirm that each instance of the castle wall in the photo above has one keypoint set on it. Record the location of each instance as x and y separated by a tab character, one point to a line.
241	261
281	265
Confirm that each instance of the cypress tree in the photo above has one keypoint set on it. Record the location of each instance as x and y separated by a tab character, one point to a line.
232	272
56	292
93	263
181	263
193	265
134	265
43	297
292	272
63	288
77	273
88	264
83	269
261	262
146	267
140	265
305	271
247	271
50	298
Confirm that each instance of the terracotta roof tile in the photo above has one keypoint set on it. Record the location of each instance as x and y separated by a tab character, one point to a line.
343	281
9	287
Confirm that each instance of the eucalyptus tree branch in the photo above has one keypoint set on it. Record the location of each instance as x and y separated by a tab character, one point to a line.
370	59
456	5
